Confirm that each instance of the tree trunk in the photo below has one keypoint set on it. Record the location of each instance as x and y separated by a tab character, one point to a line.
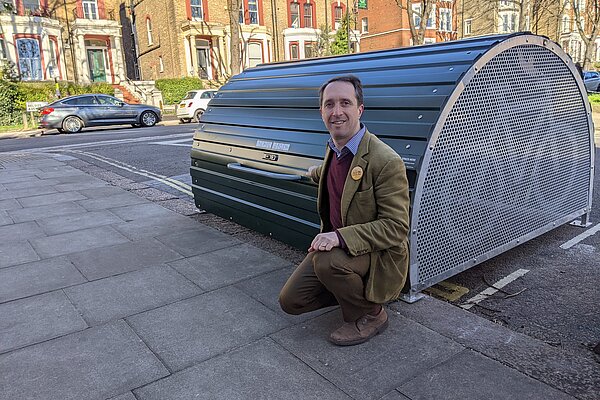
235	61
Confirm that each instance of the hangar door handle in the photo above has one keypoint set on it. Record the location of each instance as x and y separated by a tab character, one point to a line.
274	175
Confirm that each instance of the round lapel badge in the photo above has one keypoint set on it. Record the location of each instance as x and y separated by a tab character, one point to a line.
357	173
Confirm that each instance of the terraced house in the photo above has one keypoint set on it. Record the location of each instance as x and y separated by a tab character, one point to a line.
77	40
193	37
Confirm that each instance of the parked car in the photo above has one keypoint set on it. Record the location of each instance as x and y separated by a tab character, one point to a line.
71	114
591	80
194	104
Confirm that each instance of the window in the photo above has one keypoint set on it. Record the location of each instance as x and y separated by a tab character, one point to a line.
90	9
242	19
504	3
253	11
445	20
52	63
431	18
416	9
109	101
31	6
295	15
429	40
254	54
294	51
196	9
207	95
338	14
81	101
468	27
149	31
3	54
582	23
309	50
508	21
308	15
566	24
365	25
30	65
161	65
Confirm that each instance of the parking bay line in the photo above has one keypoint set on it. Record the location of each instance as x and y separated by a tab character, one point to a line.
491	290
177	185
590	232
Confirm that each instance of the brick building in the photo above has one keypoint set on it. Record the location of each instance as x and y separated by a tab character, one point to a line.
78	40
383	24
193	37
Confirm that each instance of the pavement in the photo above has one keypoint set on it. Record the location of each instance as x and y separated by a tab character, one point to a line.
107	295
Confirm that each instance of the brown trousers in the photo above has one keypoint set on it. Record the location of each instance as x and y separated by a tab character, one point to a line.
327	278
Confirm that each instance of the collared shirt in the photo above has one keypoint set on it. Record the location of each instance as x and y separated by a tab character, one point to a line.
352	144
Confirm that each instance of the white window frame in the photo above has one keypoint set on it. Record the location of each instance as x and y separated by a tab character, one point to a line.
27	7
338	23
416	9
364	25
295	22
260	48
468	27
253	12
90	9
198	8
161	64
149	31
445	20
566	24
3	52
308	17
430	24
508	21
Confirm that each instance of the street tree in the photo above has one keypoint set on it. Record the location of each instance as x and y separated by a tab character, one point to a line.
235	61
587	21
323	42
340	40
417	17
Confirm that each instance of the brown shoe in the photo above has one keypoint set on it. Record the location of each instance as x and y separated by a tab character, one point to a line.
361	330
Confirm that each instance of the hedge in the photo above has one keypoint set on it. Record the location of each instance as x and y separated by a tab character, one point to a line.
174	90
10	97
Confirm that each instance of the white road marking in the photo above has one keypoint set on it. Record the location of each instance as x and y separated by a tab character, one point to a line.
175	184
187	141
490	291
590	232
188	135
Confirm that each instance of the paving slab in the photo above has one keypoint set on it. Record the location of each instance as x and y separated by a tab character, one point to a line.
73	242
78	178
53	199
140	211
261	370
114	260
200	241
27	192
98	192
394	395
9	204
125	396
265	288
36	319
12	175
30	182
127	294
20	232
5	219
70	186
567	372
375	368
471	376
117	200
155	226
196	329
74	222
37	277
16	253
61	171
227	266
45	211
94	364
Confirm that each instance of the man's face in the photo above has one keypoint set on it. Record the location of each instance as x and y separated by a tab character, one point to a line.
340	111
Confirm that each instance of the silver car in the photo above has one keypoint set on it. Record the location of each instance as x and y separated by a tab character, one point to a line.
71	114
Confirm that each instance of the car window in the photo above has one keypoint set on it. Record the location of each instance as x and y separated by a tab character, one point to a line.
81	101
591	75
189	95
108	101
206	95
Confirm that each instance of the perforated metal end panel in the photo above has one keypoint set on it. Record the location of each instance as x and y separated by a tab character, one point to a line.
512	159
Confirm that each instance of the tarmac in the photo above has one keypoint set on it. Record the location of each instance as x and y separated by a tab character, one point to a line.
107	295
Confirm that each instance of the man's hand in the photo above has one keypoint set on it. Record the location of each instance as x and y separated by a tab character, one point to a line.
310	170
324	242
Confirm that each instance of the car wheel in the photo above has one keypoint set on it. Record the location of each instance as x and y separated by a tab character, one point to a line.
72	124
148	118
197	115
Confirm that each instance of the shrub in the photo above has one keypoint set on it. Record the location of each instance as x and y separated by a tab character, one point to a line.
10	97
46	91
174	90
594	98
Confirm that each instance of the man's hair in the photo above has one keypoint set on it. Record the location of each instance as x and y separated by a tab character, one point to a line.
358	91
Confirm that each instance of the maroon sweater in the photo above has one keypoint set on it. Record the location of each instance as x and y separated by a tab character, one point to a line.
336	177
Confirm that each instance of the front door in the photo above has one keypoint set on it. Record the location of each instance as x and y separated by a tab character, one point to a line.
96	61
